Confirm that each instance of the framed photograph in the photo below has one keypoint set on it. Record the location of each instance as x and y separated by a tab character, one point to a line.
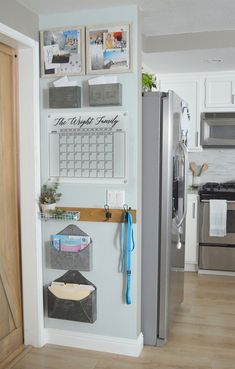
62	52
108	49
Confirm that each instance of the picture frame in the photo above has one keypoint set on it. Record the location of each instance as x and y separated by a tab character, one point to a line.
108	49
62	51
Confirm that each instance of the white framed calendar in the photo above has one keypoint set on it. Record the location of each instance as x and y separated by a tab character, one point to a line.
88	146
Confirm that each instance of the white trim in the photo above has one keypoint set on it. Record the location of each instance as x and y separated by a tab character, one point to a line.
190	267
29	154
115	345
17	36
29	138
216	272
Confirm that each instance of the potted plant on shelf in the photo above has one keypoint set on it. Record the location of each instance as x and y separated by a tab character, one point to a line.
49	197
148	82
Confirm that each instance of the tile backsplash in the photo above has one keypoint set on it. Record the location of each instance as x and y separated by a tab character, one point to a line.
221	164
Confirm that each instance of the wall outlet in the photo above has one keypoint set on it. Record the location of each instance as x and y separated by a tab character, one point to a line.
115	198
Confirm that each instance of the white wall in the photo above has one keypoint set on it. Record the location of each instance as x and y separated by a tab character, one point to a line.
115	318
19	18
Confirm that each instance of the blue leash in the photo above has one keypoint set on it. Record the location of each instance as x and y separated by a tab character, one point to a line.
128	245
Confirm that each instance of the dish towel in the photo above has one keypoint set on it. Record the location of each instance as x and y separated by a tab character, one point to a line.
218	218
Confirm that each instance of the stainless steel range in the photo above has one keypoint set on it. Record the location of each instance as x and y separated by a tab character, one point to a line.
217	253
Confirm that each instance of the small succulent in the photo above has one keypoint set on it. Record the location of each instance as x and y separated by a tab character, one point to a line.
49	194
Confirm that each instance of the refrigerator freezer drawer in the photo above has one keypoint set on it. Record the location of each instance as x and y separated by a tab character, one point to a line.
217	258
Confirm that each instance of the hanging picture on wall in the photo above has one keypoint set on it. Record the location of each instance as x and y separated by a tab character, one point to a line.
62	52
108	49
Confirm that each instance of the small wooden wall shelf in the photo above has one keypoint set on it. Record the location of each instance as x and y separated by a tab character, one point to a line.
99	214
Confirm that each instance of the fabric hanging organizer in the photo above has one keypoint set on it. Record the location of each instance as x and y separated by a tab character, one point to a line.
72	297
71	249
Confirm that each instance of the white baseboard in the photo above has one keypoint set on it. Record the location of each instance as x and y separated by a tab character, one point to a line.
216	272
190	267
115	345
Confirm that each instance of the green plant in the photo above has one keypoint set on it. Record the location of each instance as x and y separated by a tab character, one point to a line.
148	81
49	194
56	212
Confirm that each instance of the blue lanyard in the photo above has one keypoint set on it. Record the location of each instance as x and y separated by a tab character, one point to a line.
128	245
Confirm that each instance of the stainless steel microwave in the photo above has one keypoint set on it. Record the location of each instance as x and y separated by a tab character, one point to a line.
218	129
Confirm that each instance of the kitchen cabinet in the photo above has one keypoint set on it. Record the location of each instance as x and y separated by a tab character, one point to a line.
188	89
219	92
191	233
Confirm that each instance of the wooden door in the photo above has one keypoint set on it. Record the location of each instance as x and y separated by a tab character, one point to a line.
11	333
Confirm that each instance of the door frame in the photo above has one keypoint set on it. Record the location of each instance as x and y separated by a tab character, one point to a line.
29	179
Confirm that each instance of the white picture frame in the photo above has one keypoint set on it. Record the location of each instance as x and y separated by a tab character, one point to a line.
108	49
62	51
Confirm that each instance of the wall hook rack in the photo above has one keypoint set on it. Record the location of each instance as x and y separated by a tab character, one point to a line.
99	214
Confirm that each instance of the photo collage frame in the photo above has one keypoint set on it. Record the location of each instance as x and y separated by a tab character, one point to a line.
108	50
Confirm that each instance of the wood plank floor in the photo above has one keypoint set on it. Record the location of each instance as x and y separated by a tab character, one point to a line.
202	337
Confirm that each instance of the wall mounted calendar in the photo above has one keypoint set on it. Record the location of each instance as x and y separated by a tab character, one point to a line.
88	147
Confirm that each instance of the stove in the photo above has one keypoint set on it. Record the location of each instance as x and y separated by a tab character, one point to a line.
214	190
217	253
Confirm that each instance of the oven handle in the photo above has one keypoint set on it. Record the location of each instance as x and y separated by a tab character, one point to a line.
186	165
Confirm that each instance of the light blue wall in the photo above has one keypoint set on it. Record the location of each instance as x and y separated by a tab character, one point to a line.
19	18
114	317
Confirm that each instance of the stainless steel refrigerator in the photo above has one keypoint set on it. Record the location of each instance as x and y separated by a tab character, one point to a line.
164	166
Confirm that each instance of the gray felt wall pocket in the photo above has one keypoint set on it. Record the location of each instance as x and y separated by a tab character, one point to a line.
71	249
65	97
105	94
83	310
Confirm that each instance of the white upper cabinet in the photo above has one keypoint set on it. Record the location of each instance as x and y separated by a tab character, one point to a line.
188	90
219	92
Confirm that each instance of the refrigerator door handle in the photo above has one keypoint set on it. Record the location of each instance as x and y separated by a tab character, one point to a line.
186	164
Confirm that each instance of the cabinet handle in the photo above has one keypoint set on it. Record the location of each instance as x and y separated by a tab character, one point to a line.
232	98
194	210
197	136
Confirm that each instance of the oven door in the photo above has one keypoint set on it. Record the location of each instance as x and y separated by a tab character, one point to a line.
213	257
204	237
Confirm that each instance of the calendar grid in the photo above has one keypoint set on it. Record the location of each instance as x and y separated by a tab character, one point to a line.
86	153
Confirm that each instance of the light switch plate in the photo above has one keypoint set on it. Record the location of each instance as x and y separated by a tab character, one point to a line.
115	198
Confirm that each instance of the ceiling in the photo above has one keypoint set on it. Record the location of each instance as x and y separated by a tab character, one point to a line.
182	16
166	17
190	61
45	7
159	16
